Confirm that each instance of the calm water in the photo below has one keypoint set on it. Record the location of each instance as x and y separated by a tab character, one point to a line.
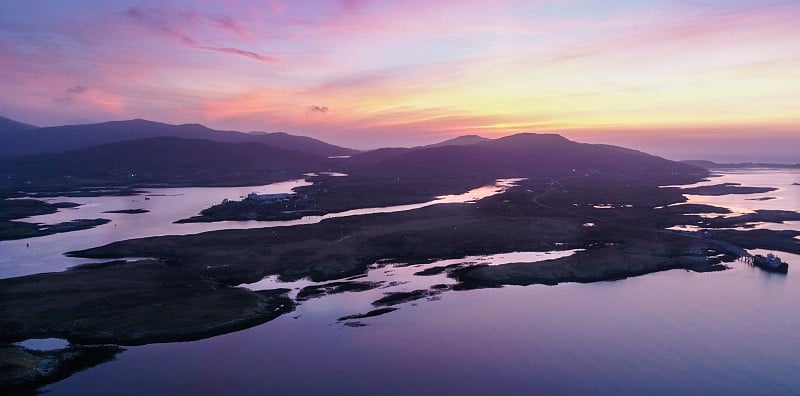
786	197
166	205
675	332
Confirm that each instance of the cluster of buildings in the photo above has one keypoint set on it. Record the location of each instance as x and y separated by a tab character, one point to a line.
268	198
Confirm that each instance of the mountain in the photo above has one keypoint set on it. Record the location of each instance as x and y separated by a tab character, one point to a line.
521	155
460	141
370	158
300	143
72	137
164	160
8	125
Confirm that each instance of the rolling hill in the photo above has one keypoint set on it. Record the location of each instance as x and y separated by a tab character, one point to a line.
520	155
163	160
460	141
20	142
181	161
8	125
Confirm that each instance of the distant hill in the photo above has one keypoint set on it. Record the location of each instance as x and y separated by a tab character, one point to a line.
8	125
371	158
300	143
181	161
739	165
460	141
521	155
71	137
164	160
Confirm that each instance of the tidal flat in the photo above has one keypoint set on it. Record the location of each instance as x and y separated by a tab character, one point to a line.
624	241
627	237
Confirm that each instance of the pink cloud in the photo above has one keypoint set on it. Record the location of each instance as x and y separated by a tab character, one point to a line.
354	5
163	22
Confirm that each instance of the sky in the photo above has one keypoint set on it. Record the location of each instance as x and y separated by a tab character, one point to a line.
683	79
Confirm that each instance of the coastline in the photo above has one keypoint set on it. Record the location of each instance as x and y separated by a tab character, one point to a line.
533	216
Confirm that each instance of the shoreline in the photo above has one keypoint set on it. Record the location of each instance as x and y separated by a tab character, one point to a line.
627	238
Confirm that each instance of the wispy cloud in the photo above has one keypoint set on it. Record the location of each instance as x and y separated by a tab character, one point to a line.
162	21
241	52
410	68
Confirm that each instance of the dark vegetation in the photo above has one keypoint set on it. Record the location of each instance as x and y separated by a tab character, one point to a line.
293	207
130	304
19	229
128	211
397	298
315	291
370	314
23	370
726	188
13	209
158	161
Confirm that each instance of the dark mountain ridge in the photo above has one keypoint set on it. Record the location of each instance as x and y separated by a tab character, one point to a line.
8	125
175	160
520	155
459	141
164	160
21	142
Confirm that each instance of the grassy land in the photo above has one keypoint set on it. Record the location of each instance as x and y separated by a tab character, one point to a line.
187	290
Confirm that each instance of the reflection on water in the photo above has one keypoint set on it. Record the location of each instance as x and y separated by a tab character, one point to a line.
468	197
786	197
673	332
165	206
44	344
402	277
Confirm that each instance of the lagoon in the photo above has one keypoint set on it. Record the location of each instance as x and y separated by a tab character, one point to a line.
673	332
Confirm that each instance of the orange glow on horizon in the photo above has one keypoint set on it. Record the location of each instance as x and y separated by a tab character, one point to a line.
389	73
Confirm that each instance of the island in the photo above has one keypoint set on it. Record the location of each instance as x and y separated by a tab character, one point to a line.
137	302
606	204
128	211
263	207
11	210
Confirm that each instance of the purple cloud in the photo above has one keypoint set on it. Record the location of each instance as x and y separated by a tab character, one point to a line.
76	90
159	21
318	109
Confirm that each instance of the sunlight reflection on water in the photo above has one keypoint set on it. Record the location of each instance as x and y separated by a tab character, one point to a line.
165	206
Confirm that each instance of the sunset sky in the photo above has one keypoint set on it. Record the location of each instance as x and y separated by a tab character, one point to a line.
685	79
